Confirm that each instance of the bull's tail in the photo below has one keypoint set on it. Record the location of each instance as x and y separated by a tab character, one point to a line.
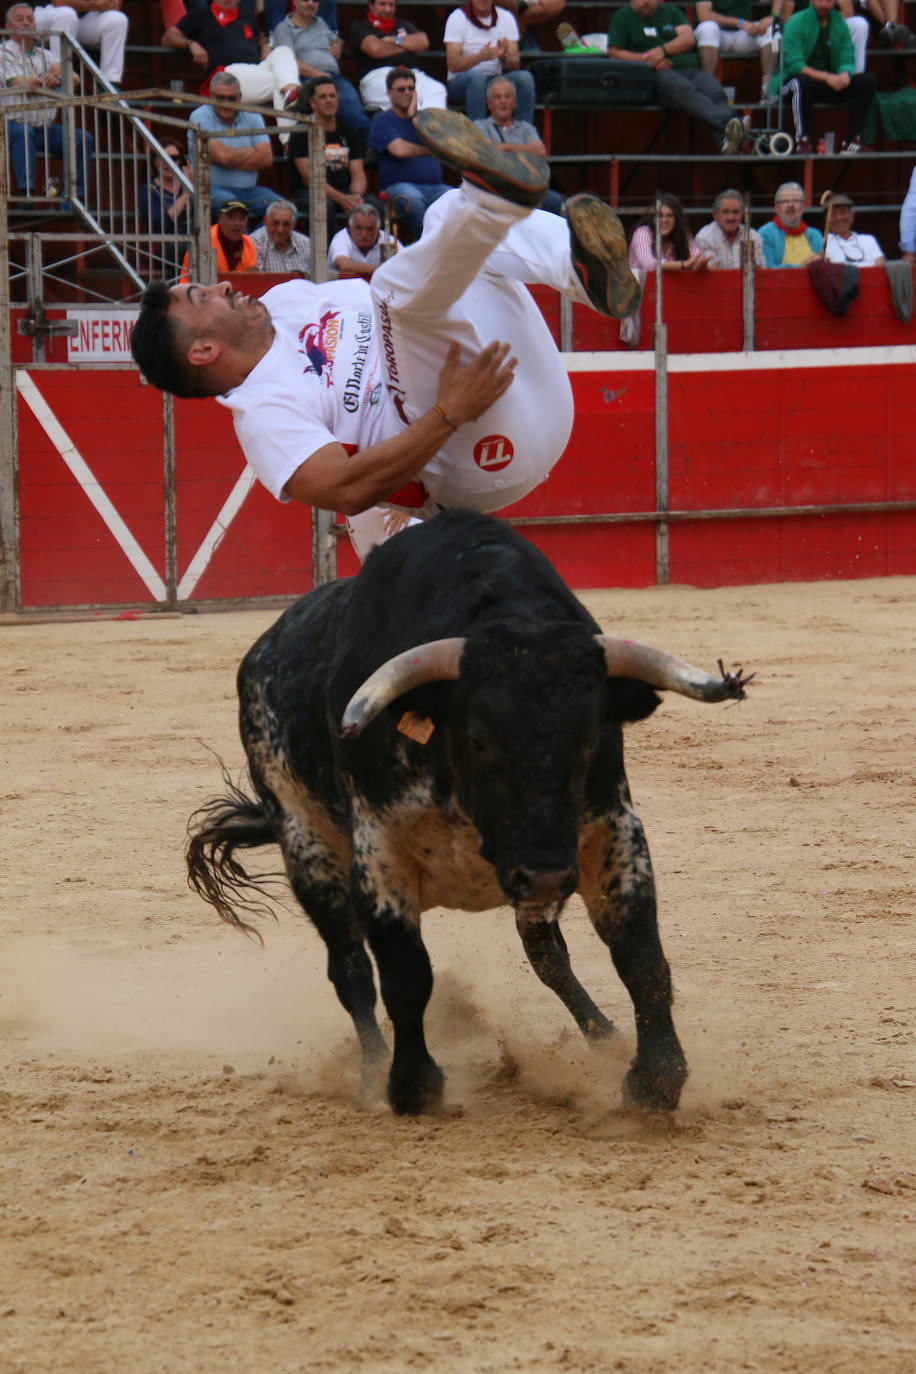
215	832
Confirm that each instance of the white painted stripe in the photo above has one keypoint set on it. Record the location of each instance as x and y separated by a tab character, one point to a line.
891	355
88	484
230	509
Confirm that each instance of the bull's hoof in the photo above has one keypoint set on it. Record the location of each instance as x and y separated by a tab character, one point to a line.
417	1091
658	1090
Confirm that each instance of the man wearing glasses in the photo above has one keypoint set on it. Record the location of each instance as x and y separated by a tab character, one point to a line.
407	173
787	240
436	384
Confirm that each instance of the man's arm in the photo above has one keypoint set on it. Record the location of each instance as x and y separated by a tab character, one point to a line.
332	479
358	179
230	154
376	46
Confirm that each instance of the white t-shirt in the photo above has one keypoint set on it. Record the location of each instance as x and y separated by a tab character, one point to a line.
320	382
342	246
459	29
859	250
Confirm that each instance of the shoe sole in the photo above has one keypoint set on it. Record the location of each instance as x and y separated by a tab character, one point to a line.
734	136
599	255
451	137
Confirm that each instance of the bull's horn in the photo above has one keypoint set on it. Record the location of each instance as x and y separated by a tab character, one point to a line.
435	661
629	658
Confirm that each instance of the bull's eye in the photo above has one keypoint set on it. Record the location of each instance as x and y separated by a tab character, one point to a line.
477	746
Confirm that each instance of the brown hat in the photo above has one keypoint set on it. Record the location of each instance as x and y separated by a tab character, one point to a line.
231	205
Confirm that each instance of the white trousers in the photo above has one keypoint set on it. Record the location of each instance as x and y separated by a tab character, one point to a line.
709	35
102	29
430	94
465	281
261	82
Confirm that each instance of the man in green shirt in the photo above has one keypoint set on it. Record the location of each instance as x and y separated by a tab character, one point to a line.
818	63
659	35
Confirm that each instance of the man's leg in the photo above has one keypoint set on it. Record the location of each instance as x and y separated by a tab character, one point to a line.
434	294
431	95
351	107
695	92
407	207
22	156
858	32
107	31
372	91
708	36
861	93
55	20
799	90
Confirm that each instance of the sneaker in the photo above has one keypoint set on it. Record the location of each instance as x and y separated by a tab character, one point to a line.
902	36
854	145
804	146
452	138
734	134
886	36
598	247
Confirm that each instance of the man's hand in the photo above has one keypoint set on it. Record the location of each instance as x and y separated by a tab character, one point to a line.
657	59
908	257
838	81
199	54
465	392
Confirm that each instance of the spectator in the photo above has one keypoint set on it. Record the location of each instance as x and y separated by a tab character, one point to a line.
317	51
531	13
481	41
234	250
721	240
165	204
818	62
234	162
844	244
275	11
659	34
407	172
278	245
357	250
344	151
501	126
94	24
26	68
726	27
855	23
787	240
265	75
381	41
680	251
908	222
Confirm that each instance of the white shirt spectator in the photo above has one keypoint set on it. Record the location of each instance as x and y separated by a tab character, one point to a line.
459	29
859	250
342	246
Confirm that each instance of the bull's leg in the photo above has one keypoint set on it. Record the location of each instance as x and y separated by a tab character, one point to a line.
405	973
547	953
619	891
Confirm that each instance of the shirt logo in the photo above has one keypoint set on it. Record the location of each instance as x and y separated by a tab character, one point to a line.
493	452
319	343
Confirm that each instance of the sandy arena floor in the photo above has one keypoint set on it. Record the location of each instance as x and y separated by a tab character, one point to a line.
189	1183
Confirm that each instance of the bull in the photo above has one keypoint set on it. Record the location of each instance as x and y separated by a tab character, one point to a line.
446	729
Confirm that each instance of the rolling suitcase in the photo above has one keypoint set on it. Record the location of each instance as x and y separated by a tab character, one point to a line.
595	81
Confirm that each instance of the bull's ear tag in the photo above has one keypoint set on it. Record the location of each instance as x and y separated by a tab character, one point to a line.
415	727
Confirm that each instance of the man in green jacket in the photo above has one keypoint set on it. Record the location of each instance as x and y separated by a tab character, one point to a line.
819	65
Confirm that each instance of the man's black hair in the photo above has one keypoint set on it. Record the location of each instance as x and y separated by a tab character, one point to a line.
308	89
153	344
398	74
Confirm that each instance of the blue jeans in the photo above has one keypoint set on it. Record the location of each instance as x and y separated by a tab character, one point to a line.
28	140
470	90
410	202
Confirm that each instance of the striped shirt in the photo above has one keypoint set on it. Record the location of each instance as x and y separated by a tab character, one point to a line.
298	257
721	253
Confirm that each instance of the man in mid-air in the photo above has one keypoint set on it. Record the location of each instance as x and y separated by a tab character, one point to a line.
358	397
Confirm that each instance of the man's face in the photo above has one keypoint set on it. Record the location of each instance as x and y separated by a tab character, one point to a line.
789	207
841	220
501	102
728	217
22	20
227	97
384	8
305	10
218	313
402	93
280	225
363	231
233	224
644	8
822	8
324	102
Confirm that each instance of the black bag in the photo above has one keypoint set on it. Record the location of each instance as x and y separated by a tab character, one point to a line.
596	81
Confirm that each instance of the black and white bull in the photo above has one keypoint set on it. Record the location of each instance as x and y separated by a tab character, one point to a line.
517	795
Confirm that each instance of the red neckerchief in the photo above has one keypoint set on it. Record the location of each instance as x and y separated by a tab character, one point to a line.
793	233
468	9
224	15
232	251
383	25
